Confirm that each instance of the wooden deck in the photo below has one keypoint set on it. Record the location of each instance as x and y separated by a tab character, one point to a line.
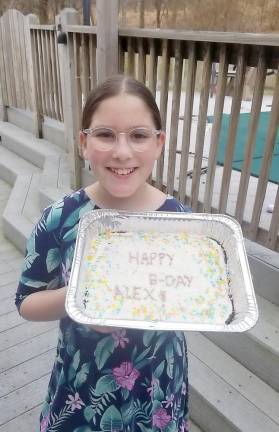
26	349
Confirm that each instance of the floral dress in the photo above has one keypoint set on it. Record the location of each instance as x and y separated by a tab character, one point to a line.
127	380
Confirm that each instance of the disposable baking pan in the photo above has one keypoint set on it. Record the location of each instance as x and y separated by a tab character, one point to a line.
94	305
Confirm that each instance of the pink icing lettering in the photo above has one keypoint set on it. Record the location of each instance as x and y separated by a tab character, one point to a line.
153	279
134	259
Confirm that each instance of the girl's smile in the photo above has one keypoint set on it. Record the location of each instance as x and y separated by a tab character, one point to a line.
122	172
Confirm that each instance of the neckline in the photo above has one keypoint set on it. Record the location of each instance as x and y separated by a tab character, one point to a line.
168	197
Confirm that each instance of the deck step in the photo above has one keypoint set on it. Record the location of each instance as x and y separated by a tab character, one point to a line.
26	145
225	396
12	165
257	349
39	174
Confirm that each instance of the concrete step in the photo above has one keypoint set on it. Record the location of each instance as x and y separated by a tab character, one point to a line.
39	174
225	396
257	349
12	165
26	145
264	265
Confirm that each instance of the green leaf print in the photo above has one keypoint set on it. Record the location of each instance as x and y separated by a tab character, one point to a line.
106	384
53	259
143	428
71	349
111	420
156	405
178	379
74	366
159	369
53	218
71	234
85	209
128	411
125	393
83	429
72	219
160	341
76	360
30	245
171	427
177	347
31	283
104	349
147	336
141	356
82	375
170	359
158	393
134	353
88	413
28	260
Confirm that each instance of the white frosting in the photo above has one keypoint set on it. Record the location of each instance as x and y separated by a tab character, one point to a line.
154	276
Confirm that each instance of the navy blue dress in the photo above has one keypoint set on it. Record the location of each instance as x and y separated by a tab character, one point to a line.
127	380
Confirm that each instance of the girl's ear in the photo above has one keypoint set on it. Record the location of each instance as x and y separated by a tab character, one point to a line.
82	145
160	143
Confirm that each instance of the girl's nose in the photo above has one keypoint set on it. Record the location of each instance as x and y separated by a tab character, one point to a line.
122	149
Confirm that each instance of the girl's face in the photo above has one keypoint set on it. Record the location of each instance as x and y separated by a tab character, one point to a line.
121	171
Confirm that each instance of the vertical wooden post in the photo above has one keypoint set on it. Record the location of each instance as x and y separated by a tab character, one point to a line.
3	84
35	95
107	38
71	104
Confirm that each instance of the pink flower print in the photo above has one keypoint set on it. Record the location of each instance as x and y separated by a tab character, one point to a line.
154	383
74	402
169	402
119	338
125	375
65	274
44	423
160	418
185	427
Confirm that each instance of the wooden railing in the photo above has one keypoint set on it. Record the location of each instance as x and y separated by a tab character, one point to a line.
16	81
168	62
47	67
177	67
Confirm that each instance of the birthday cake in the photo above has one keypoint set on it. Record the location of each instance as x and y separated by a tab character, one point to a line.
155	276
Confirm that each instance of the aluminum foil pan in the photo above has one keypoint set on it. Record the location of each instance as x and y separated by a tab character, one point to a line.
222	230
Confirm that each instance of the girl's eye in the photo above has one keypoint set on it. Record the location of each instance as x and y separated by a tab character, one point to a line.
105	134
140	135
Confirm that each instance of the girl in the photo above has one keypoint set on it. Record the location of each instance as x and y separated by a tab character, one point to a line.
106	379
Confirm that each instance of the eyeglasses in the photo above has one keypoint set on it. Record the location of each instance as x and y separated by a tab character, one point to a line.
104	138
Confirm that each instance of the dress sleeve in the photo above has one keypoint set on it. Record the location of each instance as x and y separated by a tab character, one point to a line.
42	263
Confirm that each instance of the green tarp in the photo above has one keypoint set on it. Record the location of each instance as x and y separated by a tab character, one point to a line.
241	139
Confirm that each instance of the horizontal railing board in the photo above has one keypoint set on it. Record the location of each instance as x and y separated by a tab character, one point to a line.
268	39
69	28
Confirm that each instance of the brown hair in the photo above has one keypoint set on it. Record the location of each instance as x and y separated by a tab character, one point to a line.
114	86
